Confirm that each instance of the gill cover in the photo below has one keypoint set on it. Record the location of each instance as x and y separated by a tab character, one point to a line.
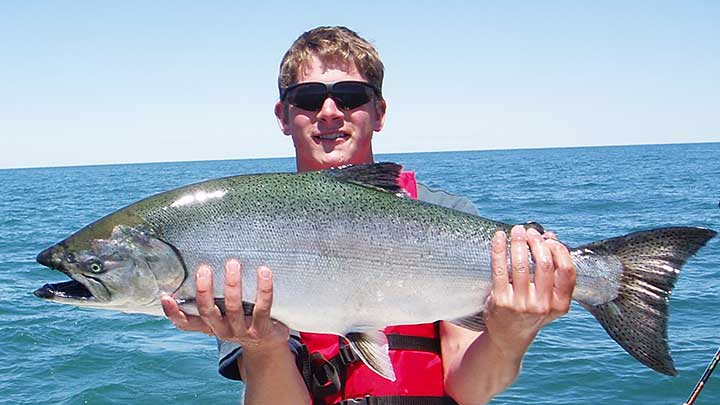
137	267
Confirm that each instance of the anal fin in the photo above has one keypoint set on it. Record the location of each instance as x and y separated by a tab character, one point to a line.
372	348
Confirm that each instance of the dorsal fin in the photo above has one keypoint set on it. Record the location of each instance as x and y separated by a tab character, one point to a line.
383	176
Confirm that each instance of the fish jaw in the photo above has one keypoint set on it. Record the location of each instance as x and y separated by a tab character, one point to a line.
74	293
67	292
71	290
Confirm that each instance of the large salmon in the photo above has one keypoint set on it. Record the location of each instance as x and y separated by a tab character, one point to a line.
350	255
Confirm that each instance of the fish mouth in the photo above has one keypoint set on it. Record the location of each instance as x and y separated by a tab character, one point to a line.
79	288
72	289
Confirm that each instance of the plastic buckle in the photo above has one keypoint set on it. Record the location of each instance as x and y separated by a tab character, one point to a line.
366	400
325	378
347	355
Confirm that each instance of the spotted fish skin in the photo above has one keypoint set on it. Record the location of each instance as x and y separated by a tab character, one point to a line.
351	254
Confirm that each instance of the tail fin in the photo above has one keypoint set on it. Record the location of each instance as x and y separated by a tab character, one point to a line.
651	260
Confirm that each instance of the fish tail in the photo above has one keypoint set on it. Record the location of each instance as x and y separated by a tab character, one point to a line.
637	317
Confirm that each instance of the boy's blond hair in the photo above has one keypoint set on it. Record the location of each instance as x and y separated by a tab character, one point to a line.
332	45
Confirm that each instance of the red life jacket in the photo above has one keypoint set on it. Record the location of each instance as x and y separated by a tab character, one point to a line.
336	375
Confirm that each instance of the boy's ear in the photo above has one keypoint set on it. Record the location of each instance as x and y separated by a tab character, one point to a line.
281	113
380	109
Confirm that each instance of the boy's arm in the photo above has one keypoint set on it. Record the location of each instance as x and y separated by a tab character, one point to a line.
480	365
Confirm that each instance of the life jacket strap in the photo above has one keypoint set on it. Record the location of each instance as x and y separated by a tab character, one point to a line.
417	343
346	356
393	400
324	376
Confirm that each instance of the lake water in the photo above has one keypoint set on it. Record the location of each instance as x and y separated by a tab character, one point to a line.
61	354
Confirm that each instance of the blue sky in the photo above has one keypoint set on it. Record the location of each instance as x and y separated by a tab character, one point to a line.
136	81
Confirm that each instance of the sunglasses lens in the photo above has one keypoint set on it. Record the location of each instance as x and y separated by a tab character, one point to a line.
349	95
309	96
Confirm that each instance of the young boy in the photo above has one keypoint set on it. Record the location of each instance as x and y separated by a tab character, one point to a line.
330	105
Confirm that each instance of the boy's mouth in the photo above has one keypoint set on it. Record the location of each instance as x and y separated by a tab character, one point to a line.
333	136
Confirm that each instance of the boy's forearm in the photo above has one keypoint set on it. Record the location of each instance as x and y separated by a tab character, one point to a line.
482	372
271	377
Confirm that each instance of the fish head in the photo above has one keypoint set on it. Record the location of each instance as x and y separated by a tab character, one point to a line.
127	270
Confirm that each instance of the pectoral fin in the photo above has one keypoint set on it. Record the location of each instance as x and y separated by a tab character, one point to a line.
188	306
534	225
372	348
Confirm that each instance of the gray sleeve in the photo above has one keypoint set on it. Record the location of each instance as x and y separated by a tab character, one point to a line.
229	352
445	199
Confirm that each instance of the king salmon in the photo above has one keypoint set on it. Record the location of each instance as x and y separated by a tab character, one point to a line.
350	254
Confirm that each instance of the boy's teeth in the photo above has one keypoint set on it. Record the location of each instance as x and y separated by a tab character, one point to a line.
330	136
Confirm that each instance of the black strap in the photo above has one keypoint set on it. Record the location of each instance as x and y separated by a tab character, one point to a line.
418	343
325	378
302	361
368	400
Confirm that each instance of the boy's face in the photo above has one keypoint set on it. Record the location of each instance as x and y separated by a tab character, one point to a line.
331	137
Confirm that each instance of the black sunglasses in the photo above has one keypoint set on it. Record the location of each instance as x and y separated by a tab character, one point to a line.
347	94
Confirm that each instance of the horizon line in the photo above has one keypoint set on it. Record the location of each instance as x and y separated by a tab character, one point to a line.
378	153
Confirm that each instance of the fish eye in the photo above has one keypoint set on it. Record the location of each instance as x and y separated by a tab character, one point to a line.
95	266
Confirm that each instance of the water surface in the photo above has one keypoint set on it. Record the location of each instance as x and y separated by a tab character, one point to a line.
61	354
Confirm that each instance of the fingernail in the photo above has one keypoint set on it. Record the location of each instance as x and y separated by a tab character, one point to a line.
232	271
232	267
203	272
265	273
517	232
533	232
